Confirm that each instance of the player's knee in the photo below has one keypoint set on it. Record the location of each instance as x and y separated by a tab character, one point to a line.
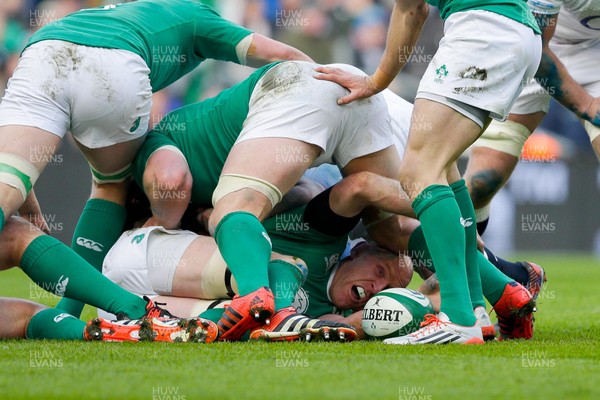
18	173
409	175
231	183
15	238
483	186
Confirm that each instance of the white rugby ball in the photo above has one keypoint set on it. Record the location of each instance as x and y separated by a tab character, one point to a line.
395	312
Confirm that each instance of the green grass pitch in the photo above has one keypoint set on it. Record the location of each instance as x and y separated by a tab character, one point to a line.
562	362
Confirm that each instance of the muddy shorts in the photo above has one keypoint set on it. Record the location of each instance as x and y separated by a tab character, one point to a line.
484	60
103	96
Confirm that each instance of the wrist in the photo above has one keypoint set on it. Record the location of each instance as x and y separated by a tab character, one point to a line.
380	80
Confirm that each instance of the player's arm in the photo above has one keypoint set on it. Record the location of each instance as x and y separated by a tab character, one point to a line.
357	191
354	320
406	23
554	77
263	50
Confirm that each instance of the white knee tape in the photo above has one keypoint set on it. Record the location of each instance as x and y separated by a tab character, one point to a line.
229	183
17	172
592	130
508	137
114	177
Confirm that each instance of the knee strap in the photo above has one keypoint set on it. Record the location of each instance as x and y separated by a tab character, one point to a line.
115	177
17	172
229	183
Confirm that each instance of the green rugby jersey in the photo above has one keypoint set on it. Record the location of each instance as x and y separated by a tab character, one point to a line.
205	132
517	10
291	235
172	36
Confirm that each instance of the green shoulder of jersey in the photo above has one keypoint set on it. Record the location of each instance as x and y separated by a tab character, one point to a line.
172	37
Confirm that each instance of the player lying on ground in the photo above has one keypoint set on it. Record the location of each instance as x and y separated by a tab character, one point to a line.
37	255
568	72
93	73
151	261
243	150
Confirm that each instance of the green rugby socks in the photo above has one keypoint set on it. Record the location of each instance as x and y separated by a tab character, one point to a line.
52	323
492	279
98	228
467	220
246	248
440	217
59	270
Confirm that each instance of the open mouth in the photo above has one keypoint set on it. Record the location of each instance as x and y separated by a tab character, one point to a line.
358	292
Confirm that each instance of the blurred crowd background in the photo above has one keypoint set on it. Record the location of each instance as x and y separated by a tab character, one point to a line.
330	31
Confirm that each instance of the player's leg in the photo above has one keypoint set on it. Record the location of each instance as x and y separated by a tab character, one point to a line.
109	122
427	161
253	180
493	158
24	153
56	268
496	153
34	116
102	219
25	319
511	300
467	212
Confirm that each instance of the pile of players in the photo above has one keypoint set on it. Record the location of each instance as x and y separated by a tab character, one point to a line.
278	260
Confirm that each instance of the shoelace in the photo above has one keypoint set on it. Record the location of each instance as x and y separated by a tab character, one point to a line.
430	324
155	311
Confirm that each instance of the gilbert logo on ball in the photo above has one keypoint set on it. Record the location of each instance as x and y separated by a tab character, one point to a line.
394	312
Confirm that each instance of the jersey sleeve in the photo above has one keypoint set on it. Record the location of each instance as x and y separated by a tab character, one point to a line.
320	217
215	37
547	7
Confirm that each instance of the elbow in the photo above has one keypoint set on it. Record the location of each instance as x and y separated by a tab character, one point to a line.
361	186
422	11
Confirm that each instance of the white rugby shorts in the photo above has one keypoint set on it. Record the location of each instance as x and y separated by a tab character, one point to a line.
143	261
484	60
103	96
288	102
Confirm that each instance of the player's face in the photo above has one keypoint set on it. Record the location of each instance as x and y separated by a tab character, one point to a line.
360	277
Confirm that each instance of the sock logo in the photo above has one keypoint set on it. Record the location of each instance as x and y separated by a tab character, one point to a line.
61	316
466	222
89	244
61	286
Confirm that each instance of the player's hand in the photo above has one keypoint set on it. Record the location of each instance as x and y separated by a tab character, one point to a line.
360	87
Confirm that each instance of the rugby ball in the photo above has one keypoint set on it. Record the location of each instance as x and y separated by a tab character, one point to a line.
394	312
